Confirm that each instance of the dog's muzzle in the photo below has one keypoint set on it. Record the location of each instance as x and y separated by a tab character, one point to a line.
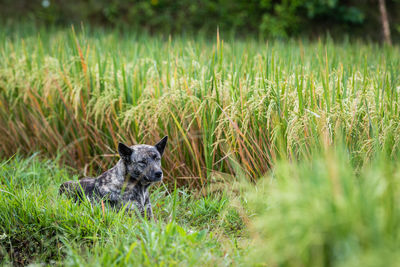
156	177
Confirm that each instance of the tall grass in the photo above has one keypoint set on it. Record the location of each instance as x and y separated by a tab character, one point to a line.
325	212
76	93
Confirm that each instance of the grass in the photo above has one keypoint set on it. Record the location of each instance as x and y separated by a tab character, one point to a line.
317	212
39	226
324	212
76	93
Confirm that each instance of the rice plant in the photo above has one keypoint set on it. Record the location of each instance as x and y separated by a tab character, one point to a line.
76	92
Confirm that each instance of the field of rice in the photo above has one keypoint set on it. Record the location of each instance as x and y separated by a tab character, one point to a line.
279	153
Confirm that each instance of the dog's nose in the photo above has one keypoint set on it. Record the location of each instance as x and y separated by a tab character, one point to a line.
158	174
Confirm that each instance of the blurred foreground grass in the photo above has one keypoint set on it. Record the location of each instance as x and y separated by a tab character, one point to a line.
325	212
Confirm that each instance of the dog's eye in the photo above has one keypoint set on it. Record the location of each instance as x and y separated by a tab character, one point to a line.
155	157
143	163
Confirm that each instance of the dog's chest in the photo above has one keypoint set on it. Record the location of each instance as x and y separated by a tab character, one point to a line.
137	194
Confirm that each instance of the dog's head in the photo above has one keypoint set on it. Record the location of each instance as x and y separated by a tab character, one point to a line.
143	162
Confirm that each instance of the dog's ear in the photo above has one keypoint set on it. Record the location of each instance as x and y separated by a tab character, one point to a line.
160	146
124	151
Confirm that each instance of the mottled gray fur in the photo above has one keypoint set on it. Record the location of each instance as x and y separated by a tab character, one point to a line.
127	182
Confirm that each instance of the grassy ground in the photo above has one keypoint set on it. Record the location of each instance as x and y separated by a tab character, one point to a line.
317	212
37	225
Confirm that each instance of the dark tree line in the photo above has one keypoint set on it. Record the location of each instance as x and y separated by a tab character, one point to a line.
373	19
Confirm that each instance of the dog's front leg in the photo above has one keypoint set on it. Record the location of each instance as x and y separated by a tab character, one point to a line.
140	210
148	208
149	212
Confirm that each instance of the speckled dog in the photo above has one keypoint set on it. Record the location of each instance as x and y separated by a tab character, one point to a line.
127	183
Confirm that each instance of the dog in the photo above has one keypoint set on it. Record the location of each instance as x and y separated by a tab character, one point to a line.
126	184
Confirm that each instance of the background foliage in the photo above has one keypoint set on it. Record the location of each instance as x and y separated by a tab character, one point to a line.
269	18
